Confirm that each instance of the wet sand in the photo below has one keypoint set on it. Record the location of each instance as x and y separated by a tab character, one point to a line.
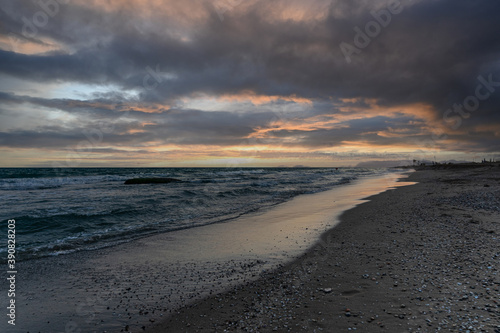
133	286
422	258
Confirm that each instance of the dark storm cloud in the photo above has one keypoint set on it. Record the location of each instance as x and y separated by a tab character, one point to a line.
431	53
432	50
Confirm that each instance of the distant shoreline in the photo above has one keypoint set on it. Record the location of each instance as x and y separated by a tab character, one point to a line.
440	166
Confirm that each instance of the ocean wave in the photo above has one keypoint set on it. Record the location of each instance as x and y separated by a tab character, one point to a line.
91	208
54	182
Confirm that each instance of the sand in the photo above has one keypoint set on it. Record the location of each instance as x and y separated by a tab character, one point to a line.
422	258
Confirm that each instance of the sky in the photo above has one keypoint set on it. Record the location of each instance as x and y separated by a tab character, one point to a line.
237	83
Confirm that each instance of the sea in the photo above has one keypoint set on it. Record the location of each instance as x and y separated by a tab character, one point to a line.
62	210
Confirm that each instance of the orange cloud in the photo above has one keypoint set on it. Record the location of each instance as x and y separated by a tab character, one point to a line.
396	132
294	10
148	108
256	99
365	107
186	12
299	125
19	44
490	128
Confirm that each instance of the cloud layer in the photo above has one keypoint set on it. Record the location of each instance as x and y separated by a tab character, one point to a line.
188	81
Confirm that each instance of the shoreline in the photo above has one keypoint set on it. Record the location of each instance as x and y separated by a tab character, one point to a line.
136	284
414	259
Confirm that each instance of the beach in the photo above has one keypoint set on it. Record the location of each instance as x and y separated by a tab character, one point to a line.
133	285
421	258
